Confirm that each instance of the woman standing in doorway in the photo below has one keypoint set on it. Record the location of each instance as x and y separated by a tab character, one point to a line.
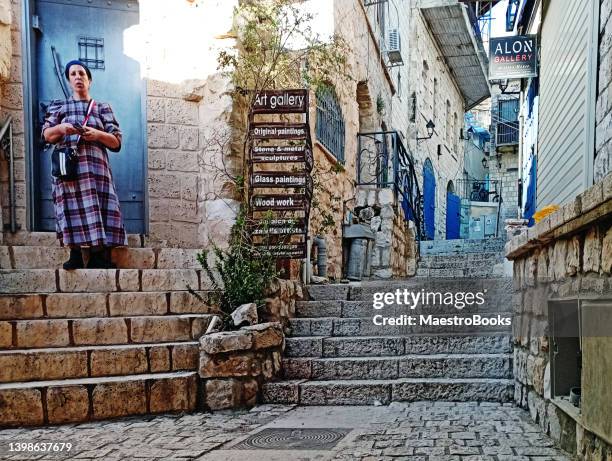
87	209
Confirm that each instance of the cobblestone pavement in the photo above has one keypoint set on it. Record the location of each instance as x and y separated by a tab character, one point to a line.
411	431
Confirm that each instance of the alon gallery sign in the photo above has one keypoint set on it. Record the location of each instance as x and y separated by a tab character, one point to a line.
513	57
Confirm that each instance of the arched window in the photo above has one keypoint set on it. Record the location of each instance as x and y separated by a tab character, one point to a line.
330	122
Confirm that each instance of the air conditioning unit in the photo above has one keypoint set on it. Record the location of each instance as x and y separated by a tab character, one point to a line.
394	48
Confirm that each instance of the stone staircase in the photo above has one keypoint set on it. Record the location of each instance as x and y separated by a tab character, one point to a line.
95	344
463	259
336	355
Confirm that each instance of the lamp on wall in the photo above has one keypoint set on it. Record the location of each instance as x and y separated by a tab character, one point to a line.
430	131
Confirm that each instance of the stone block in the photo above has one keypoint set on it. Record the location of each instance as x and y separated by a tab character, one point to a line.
6	335
542	266
169	279
322	327
222	394
27	281
199	326
189	139
266	335
328	292
573	256
318	308
99	331
185	357
385	197
607	187
129	304
116	399
249	392
67	404
128	280
15	307
176	394
245	314
344	393
33	366
178	258
304	347
42	333
225	366
159	359
592	197
88	280
558	260
606	252
591	254
156	109
39	257
226	341
76	305
162	136
117	362
283	392
160	329
182	302
21	407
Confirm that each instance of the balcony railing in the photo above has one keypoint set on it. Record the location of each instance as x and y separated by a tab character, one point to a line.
384	162
479	190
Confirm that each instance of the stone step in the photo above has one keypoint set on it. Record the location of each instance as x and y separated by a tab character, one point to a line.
114	304
328	292
96	361
334	326
52	257
30	281
382	392
437	247
37	334
403	366
463	274
85	399
460	261
373	346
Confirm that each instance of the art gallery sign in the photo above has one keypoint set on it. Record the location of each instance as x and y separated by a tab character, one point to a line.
513	57
280	162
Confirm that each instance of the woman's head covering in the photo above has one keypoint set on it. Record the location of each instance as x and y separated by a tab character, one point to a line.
79	63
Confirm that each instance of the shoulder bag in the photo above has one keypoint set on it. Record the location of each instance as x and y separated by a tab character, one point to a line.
65	160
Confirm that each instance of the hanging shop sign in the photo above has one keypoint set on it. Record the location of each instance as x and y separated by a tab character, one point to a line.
284	250
280	102
278	154
513	57
286	202
291	226
278	179
273	131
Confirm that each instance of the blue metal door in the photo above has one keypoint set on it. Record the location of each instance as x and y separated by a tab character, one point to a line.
93	31
429	200
453	216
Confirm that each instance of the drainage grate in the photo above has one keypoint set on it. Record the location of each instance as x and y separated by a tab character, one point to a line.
293	439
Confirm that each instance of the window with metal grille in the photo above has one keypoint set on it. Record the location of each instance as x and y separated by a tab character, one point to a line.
91	52
508	123
330	122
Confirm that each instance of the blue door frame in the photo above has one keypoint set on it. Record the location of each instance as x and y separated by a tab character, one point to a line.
71	28
429	200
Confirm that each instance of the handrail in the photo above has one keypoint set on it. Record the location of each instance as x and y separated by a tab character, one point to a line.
5	126
6	143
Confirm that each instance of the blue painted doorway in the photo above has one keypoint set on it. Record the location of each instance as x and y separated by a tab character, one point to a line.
429	200
93	31
453	215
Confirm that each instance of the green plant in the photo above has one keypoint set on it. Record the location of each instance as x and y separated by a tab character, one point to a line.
380	105
241	273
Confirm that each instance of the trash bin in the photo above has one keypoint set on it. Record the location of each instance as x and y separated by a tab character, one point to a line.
358	235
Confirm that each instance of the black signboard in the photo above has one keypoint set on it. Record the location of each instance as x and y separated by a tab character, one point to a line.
513	57
278	179
284	250
297	131
278	154
280	102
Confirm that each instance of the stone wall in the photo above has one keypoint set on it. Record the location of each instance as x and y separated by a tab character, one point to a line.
568	255
429	71
281	296
235	364
603	117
